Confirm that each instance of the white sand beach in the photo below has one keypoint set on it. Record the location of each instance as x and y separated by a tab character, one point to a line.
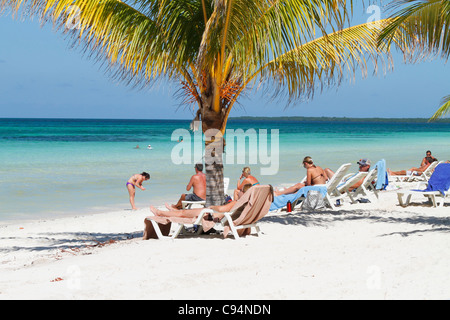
362	251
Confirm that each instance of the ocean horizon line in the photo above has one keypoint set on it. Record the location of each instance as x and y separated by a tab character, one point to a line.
255	118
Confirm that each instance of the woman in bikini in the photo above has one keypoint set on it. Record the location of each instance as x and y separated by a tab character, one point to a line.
136	181
248	179
315	175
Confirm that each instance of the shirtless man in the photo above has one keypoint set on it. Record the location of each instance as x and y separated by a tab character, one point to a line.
364	166
426	162
428	159
198	182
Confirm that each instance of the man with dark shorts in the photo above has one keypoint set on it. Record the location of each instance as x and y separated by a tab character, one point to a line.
198	182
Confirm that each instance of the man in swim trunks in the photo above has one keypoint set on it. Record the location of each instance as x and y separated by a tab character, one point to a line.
198	182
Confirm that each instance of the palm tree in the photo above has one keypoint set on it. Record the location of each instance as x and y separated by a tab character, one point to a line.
424	29
216	49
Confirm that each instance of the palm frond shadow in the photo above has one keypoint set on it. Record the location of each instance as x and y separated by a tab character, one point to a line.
329	218
68	240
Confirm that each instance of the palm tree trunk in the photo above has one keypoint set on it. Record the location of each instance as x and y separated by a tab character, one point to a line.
214	174
211	126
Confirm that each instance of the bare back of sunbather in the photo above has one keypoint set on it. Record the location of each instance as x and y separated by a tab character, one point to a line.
315	175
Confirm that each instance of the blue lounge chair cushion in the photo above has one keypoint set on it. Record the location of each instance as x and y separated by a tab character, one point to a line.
440	179
281	201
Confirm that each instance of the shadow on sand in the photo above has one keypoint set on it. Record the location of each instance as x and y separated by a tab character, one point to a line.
67	240
327	218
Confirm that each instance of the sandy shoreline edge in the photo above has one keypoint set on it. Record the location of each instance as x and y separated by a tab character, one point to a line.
362	251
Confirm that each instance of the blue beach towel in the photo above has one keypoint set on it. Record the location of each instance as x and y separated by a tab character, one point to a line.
382	175
440	179
281	201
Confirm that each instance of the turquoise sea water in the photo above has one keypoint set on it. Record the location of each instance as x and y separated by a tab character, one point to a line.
54	167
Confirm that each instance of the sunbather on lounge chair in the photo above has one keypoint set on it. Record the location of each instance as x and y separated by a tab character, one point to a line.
193	213
198	183
426	162
364	166
248	179
429	159
315	175
409	172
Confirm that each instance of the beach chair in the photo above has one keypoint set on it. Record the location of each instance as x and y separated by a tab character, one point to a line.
226	183
437	187
333	193
244	215
424	176
329	191
367	188
193	204
352	180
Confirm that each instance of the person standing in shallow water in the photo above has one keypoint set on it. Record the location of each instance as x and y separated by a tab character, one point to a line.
136	180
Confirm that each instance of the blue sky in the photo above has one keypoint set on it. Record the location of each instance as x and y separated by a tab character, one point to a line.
41	76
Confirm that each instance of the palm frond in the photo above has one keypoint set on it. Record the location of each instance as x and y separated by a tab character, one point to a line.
422	28
283	41
425	25
326	61
443	110
267	30
138	44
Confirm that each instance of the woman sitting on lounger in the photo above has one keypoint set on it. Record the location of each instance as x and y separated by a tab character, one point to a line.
248	178
193	213
315	175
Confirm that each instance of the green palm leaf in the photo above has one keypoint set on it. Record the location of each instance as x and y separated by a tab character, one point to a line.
443	110
424	26
326	61
217	48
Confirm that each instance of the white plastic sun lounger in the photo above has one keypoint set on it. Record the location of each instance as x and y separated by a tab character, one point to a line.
431	195
366	189
245	214
424	176
441	172
333	193
349	183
